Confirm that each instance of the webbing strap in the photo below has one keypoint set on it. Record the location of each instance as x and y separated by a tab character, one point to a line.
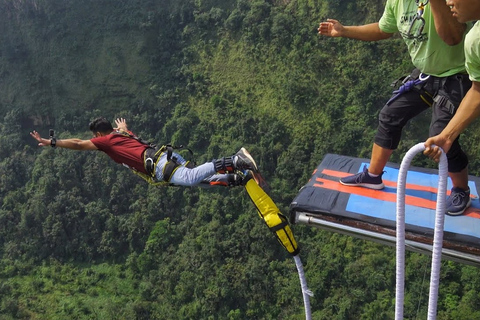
279	226
151	156
407	86
169	169
131	135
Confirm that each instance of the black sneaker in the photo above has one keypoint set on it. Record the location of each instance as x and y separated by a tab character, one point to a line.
244	161
458	201
363	179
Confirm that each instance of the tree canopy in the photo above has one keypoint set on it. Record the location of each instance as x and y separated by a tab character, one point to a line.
83	238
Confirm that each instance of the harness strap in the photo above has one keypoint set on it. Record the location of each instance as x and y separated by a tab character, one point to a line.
417	82
131	135
172	166
405	87
151	157
169	169
460	79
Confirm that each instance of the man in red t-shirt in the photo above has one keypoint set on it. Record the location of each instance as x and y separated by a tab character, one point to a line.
125	148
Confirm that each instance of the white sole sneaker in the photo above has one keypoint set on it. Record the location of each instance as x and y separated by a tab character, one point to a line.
460	212
364	185
249	156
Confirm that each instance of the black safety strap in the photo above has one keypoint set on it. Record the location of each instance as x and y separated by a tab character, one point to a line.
443	100
172	162
460	78
152	156
279	226
150	159
169	169
170	149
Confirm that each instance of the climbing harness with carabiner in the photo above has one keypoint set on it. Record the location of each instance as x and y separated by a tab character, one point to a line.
418	17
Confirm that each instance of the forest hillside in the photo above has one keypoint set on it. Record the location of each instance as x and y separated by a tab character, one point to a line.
83	238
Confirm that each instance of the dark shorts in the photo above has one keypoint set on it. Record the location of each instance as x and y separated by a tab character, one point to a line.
443	95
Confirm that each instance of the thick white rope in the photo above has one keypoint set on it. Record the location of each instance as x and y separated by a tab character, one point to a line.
437	239
303	282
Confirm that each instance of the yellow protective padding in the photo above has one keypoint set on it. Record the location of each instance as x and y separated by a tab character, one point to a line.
270	213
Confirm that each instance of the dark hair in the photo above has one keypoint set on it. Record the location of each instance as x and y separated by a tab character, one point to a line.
101	125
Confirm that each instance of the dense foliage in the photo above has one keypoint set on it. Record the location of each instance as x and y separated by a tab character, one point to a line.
83	238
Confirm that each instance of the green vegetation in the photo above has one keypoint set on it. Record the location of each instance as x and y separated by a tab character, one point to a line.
83	238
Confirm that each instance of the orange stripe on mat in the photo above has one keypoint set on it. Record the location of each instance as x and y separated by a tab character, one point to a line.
386	196
472	213
388	183
375	194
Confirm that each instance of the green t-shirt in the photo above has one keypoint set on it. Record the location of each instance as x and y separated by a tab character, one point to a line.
472	52
427	50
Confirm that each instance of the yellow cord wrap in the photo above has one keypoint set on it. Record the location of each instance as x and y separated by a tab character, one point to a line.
270	213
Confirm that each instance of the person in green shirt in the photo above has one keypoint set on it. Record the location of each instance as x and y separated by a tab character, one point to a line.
434	39
469	109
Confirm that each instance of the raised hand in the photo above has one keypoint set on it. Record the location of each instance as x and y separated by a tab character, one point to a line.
330	28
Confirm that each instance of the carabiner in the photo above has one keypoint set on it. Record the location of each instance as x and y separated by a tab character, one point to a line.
419	17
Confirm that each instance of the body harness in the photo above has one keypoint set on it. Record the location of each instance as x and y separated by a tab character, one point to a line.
417	80
414	81
151	157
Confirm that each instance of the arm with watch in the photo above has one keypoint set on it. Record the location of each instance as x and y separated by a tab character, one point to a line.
73	143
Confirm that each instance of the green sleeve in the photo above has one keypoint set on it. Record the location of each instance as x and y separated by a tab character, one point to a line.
472	53
388	22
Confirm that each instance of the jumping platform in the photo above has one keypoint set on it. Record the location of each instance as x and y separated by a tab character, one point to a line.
370	214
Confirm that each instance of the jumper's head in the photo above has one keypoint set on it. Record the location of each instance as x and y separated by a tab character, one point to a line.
101	126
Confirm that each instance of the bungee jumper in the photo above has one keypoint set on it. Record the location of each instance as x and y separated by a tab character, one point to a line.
162	166
156	165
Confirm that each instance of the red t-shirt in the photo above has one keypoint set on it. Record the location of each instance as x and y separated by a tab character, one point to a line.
122	149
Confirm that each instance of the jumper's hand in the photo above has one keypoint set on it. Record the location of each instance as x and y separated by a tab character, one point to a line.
121	124
41	141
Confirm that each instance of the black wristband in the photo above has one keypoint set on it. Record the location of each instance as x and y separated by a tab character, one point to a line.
53	142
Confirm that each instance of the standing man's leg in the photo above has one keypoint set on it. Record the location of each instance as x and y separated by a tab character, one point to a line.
379	159
392	118
446	104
